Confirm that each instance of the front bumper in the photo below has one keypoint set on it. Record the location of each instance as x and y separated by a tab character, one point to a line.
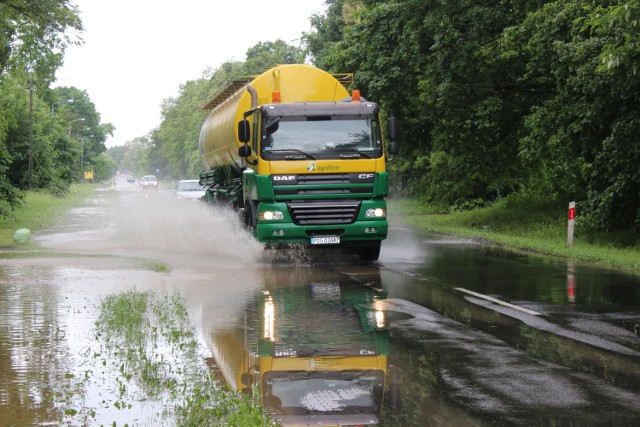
364	229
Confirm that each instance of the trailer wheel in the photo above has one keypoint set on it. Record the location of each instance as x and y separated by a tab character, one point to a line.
369	253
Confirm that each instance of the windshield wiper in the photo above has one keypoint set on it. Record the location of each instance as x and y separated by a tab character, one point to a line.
301	156
349	151
355	155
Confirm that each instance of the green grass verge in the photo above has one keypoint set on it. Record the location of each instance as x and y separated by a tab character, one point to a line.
150	341
41	210
523	225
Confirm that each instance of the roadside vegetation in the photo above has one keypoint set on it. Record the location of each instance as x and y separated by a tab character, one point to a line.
148	342
525	225
40	210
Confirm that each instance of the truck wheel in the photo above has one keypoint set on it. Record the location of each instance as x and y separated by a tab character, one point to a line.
250	217
369	253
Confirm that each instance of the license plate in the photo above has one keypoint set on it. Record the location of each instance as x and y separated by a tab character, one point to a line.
325	240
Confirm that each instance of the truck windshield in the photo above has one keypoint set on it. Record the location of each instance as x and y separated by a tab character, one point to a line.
353	392
322	135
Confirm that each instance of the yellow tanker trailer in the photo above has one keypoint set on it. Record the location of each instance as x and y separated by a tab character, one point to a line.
301	159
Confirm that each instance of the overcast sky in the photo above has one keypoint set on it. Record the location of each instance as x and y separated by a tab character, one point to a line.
138	52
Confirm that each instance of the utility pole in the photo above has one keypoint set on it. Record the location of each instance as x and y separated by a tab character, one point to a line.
30	130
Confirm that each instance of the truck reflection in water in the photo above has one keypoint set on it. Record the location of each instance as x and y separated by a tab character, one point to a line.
316	353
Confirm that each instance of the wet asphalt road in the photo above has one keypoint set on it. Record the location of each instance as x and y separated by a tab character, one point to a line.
479	336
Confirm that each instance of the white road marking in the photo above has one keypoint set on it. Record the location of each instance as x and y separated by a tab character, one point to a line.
497	301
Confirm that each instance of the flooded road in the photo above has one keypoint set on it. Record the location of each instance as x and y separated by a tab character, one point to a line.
517	340
439	332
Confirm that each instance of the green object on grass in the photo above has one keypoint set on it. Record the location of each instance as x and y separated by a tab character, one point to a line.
22	235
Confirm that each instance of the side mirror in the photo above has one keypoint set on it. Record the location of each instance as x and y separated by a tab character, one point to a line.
244	131
393	148
392	126
244	150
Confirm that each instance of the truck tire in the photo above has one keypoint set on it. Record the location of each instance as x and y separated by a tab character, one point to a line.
369	253
250	215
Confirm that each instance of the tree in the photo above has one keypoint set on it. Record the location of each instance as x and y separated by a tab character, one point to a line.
328	31
134	159
33	38
369	40
437	65
117	153
63	143
582	136
35	33
177	137
83	127
10	195
265	55
103	166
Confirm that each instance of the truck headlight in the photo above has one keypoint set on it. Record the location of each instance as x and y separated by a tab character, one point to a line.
375	213
271	215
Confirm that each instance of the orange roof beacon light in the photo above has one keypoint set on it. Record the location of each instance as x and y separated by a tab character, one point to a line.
275	97
355	95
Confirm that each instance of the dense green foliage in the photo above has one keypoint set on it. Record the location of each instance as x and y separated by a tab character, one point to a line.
46	141
535	97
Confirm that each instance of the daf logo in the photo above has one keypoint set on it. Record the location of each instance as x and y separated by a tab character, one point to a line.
284	177
365	176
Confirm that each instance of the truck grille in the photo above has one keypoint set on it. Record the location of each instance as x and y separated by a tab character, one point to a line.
347	185
319	212
343	178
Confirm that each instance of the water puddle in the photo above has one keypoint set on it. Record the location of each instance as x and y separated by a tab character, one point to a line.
47	316
55	368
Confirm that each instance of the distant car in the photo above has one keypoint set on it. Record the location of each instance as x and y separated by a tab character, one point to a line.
130	178
149	182
190	189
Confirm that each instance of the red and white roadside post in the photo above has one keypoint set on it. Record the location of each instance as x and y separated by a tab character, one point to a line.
571	223
571	282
